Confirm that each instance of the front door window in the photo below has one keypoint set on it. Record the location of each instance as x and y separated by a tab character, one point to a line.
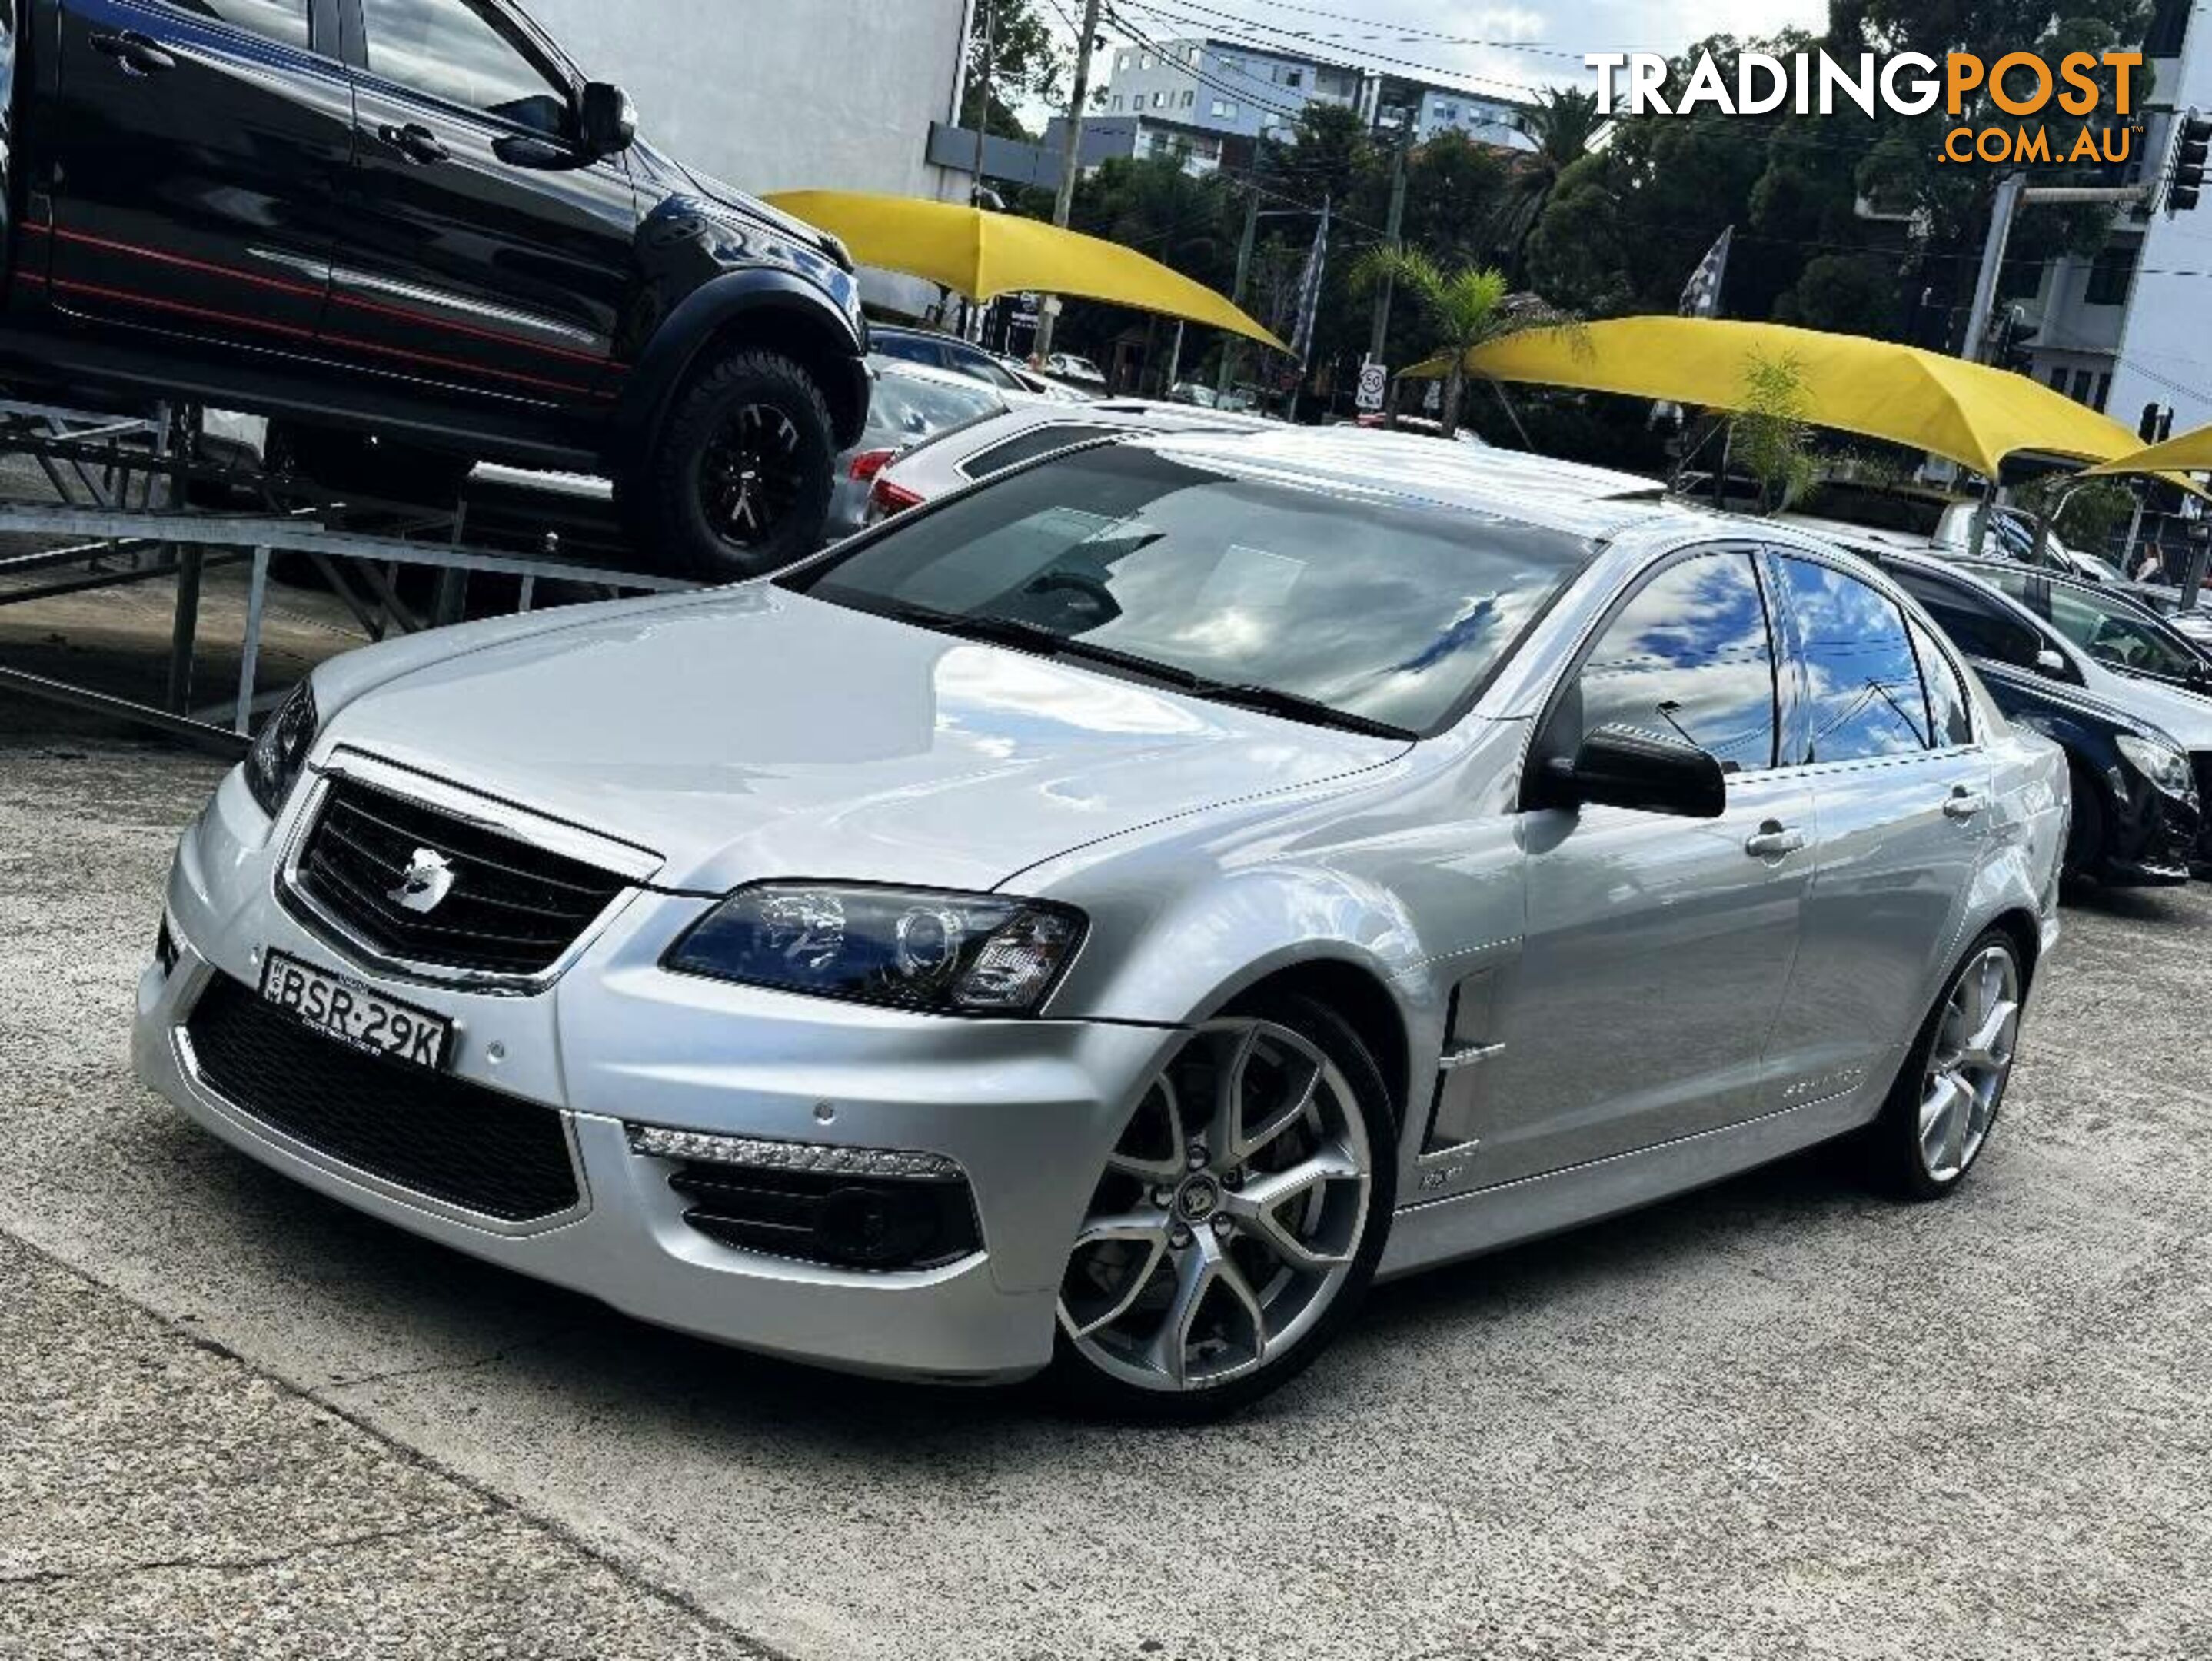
462	55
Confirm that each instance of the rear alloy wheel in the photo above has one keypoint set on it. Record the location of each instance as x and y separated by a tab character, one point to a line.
1945	1103
1237	1221
739	485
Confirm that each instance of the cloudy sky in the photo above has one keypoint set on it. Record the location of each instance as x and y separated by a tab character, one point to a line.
1537	43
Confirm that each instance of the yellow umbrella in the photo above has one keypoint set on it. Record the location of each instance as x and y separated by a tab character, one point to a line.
982	255
1968	412
2189	454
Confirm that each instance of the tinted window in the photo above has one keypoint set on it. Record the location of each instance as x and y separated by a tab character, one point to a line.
904	407
912	347
2118	635
1372	605
1878	510
1689	657
1976	625
1948	705
1862	681
453	50
276	19
1028	445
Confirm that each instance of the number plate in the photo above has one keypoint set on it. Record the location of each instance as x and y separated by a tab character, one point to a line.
349	1012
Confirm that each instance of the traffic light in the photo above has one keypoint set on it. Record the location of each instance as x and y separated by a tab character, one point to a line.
2185	176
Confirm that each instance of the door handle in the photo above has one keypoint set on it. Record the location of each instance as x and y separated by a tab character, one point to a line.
1964	804
415	142
139	54
1774	840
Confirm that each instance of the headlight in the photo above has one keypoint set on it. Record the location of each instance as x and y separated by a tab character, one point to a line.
965	953
2162	764
274	764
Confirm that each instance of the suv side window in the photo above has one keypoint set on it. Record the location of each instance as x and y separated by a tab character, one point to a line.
462	54
1862	685
1976	627
281	21
1948	707
1690	656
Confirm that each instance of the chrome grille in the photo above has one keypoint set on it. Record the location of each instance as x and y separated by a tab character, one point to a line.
512	909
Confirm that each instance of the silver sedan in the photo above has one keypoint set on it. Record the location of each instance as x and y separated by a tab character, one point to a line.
1105	919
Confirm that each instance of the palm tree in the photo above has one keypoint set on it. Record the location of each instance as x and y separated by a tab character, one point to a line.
1468	306
1563	122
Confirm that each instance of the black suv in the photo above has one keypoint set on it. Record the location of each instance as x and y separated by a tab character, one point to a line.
417	219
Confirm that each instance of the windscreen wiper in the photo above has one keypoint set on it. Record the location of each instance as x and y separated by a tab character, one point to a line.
1051	642
1274	701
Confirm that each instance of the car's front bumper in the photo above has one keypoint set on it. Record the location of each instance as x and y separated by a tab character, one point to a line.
1028	1109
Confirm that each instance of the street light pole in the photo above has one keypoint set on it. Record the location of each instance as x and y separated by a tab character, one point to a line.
1228	375
1071	151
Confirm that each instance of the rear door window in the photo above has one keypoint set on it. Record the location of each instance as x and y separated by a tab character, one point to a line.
1028	445
1862	683
1949	710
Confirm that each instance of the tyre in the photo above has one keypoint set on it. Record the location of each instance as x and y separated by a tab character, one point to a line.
2085	829
1945	1102
740	484
1239	1220
354	463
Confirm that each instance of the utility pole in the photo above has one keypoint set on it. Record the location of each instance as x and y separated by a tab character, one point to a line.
1993	252
1071	151
983	98
1237	296
2012	192
1378	344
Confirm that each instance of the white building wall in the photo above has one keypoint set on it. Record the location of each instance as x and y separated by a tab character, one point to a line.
2166	343
780	94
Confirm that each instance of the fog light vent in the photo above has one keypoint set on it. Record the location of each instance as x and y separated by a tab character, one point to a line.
855	1207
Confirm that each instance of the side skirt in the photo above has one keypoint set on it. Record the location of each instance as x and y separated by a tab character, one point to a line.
1442	1231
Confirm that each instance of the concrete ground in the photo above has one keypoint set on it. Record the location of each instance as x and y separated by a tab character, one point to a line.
1778	1419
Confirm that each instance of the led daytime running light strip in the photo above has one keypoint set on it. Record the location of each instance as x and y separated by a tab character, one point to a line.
654	1142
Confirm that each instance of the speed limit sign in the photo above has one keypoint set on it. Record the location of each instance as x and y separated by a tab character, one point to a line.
1374	384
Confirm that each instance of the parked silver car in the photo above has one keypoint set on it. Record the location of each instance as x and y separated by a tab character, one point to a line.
1106	918
977	450
907	403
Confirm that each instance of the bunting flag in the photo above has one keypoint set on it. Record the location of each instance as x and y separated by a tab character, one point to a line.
1310	290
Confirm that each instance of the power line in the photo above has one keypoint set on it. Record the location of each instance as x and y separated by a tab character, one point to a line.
1524	93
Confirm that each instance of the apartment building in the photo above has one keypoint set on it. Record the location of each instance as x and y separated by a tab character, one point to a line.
1199	98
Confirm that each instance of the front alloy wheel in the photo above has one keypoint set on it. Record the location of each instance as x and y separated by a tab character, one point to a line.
1236	1219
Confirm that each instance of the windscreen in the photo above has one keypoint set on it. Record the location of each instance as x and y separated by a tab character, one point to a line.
1366	604
903	408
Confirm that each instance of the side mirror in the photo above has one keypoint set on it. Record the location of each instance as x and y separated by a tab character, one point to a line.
1621	767
2050	664
609	119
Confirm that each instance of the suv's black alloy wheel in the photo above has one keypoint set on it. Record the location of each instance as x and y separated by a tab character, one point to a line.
739	484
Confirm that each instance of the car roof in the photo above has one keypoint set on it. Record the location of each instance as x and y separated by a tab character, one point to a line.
1595	502
904	368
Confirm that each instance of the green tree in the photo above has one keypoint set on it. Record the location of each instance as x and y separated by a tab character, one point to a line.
1563	122
1026	63
1846	294
1772	436
1465	306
